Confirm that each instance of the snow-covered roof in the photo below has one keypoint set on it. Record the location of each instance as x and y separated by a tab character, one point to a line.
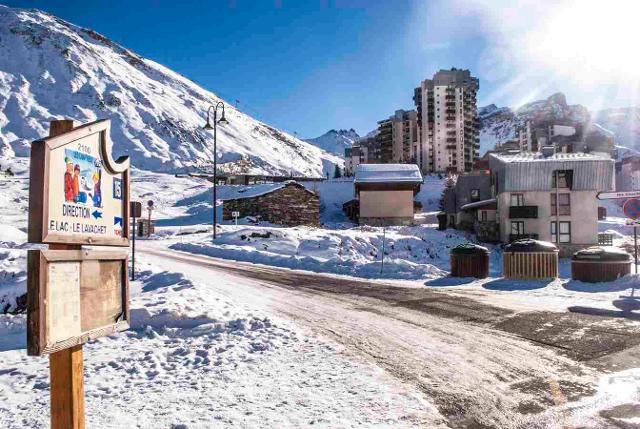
478	204
537	156
388	173
240	192
248	191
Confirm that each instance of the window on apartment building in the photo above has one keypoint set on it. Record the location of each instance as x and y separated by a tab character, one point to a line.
561	204
565	232
562	179
517	227
483	216
475	195
517	199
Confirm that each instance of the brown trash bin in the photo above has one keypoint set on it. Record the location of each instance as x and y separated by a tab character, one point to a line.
597	264
470	260
530	259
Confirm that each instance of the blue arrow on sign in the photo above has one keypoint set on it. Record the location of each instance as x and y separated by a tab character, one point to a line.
96	214
117	220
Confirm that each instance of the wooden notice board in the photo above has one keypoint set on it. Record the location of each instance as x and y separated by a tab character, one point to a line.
74	296
77	193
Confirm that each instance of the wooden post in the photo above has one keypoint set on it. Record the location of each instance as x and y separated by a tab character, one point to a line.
67	388
65	367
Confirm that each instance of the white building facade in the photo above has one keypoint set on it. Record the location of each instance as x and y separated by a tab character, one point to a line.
449	125
551	198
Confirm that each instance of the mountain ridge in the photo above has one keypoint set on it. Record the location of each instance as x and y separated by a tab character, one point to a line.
52	69
335	141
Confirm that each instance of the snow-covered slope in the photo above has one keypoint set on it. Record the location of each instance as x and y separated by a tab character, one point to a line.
52	69
499	124
335	141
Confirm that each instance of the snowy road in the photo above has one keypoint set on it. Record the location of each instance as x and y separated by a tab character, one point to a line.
480	365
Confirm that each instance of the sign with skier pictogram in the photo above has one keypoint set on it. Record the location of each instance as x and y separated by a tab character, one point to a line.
79	194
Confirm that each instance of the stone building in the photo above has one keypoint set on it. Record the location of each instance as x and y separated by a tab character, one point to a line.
288	204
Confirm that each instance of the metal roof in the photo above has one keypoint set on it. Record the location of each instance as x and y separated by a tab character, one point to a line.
534	172
539	157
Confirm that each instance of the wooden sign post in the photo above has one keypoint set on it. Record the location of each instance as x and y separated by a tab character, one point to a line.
77	195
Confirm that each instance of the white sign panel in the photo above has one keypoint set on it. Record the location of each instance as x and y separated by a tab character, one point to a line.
63	296
618	195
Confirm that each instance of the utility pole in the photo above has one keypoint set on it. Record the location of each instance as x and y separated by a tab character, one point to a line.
208	126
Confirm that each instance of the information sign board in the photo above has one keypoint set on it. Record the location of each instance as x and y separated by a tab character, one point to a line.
74	296
77	193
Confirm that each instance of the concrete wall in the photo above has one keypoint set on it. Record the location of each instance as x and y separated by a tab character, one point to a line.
386	204
492	215
583	218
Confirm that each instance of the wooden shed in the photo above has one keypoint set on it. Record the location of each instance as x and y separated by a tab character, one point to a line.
288	204
597	264
530	259
385	193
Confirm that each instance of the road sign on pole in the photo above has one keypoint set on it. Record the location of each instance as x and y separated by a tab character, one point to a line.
617	195
135	208
631	208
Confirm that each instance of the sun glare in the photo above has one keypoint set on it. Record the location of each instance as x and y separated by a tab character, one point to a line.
590	37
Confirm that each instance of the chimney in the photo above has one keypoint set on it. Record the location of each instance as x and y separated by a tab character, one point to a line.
548	151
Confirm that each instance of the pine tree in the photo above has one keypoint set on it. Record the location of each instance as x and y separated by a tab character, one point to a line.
337	173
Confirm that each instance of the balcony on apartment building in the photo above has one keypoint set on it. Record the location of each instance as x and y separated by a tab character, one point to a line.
523	212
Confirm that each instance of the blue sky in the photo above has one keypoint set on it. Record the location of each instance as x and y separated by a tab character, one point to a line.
307	66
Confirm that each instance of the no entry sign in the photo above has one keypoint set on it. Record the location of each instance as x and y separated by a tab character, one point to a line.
631	208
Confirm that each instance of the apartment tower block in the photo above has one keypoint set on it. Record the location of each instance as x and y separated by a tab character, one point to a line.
448	121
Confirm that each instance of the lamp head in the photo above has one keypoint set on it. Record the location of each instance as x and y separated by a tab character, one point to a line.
207	126
223	120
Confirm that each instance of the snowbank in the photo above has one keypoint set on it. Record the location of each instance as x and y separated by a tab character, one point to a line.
417	252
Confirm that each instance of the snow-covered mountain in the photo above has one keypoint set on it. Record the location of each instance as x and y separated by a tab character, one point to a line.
624	123
499	124
50	69
335	141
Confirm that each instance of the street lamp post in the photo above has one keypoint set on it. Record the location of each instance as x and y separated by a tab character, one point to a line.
208	126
